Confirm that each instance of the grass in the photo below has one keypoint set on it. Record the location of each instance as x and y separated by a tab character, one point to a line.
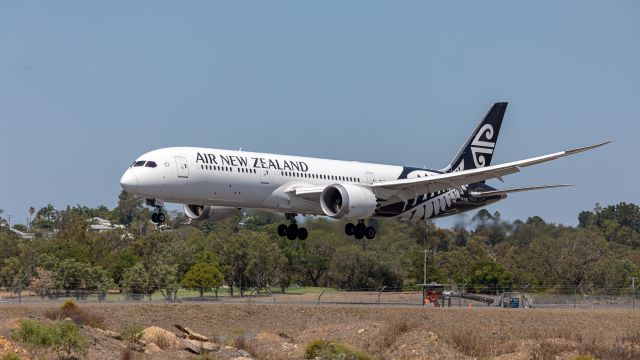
393	330
307	290
11	356
325	350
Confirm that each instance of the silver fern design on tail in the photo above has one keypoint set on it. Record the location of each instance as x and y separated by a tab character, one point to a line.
480	147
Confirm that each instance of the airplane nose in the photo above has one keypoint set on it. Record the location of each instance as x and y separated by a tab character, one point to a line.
129	181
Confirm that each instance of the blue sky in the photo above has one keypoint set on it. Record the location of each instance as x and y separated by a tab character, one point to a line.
87	87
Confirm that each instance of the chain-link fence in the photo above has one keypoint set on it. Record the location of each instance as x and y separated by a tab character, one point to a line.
449	295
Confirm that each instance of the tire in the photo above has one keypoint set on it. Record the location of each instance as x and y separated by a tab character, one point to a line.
349	229
370	233
359	231
282	230
303	233
154	218
292	232
160	218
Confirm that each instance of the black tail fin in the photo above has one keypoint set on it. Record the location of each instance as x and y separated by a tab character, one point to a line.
477	151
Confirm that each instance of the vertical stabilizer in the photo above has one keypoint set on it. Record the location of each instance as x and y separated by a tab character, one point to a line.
478	150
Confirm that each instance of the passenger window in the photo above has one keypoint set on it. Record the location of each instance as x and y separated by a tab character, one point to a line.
139	163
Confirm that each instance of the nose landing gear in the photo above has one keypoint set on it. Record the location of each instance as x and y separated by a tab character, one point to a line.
158	216
292	231
360	230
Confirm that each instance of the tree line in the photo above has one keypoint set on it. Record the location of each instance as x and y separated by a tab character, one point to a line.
244	253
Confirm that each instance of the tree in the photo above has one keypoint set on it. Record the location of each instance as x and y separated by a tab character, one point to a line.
135	281
315	257
202	276
128	209
163	277
42	283
488	276
32	211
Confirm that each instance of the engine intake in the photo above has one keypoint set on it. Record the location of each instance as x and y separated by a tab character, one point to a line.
208	213
348	201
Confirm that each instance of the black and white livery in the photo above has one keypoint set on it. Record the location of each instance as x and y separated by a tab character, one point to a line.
212	183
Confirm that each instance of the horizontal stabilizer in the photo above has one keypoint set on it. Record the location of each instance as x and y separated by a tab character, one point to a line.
515	190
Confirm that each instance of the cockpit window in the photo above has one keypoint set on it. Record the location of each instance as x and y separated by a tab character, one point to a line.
139	163
151	164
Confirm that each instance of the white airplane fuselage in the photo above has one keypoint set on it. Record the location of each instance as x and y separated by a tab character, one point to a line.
241	179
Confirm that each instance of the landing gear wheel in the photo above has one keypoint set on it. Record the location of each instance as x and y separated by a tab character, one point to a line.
160	218
370	233
303	233
292	232
154	218
282	230
360	231
349	229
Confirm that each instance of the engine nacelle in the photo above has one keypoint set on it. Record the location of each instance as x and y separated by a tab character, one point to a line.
208	213
348	201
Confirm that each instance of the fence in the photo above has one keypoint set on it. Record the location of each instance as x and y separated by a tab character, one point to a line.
556	296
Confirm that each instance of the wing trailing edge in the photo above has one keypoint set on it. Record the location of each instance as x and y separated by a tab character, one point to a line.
514	190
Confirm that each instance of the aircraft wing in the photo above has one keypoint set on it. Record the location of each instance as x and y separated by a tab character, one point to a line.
515	190
456	179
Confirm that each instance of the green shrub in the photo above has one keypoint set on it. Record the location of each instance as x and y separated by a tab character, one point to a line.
34	334
64	337
11	356
68	340
131	334
325	349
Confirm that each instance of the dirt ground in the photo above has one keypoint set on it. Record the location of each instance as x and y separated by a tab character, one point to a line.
282	331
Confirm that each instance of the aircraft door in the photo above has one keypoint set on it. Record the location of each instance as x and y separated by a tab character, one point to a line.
183	167
371	177
264	176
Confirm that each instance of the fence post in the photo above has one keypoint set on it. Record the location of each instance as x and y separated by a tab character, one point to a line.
575	294
460	294
319	296
524	295
633	290
381	290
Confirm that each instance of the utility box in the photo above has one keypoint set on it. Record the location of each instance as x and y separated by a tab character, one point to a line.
432	295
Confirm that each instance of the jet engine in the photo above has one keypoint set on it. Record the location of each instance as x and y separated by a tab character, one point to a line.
348	201
208	213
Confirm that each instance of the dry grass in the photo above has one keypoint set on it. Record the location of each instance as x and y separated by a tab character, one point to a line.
619	349
470	343
389	331
392	331
548	350
242	343
76	313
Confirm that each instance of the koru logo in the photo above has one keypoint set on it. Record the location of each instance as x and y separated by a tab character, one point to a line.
480	146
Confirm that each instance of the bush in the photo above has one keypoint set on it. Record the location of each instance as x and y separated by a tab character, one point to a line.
132	334
64	337
325	349
79	315
68	340
34	334
11	356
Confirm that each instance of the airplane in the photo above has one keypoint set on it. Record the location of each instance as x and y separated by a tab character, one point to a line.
213	184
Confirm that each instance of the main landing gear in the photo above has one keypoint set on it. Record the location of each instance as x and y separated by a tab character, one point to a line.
292	231
360	230
158	216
